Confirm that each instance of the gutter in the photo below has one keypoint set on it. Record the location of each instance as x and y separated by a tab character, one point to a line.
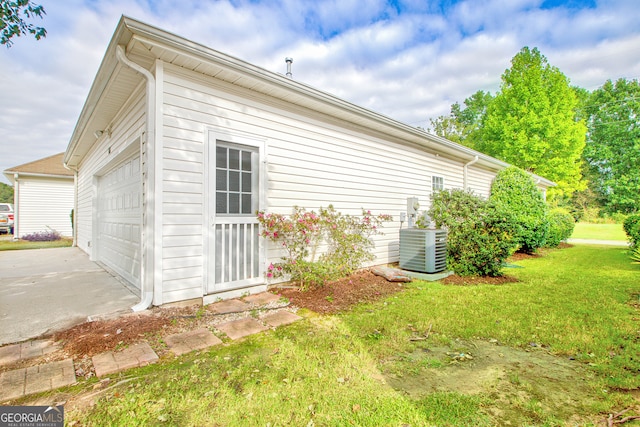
147	239
465	170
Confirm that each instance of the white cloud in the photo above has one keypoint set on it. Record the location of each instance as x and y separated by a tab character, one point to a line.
410	62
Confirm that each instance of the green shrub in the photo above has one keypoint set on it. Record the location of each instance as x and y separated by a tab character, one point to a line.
480	234
561	225
631	226
516	192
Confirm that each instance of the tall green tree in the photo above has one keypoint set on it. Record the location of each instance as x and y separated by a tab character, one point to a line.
612	151
464	124
6	193
532	122
13	20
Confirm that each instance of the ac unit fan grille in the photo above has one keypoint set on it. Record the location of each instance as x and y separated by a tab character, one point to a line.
423	250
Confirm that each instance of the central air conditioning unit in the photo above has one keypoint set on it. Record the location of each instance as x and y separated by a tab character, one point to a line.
423	250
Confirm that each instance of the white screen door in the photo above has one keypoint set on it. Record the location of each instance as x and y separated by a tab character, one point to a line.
234	246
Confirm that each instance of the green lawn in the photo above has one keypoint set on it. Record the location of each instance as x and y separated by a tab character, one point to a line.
363	367
10	245
585	230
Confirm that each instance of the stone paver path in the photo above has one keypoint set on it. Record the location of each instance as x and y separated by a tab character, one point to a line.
36	379
26	350
192	340
131	357
280	318
241	328
229	306
49	376
263	298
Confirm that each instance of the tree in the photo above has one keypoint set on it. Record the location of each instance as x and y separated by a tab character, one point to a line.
532	122
612	151
6	193
464	124
13	23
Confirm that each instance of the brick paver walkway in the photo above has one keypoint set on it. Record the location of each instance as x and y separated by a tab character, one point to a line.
131	357
26	350
49	376
36	379
241	328
190	341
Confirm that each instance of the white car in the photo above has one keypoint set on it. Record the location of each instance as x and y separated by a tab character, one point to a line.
6	218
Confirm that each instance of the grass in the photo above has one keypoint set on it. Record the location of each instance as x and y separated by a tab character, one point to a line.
11	245
328	370
586	230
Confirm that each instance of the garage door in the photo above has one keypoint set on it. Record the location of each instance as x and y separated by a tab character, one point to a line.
119	219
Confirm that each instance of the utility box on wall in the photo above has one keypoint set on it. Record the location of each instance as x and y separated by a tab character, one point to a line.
423	250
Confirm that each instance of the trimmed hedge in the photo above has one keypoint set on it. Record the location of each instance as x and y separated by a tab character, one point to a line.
561	225
631	226
516	192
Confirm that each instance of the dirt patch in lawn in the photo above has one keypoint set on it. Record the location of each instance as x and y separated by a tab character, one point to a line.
519	386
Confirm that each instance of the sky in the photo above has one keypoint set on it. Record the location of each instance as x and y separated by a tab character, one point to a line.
409	60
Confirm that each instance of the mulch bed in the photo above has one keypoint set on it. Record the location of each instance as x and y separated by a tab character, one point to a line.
342	294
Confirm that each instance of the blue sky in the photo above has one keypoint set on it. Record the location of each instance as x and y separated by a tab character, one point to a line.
407	59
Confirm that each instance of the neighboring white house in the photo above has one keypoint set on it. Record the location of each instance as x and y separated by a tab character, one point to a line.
178	145
43	194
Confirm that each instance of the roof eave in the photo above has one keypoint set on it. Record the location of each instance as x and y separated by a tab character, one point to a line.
105	71
129	28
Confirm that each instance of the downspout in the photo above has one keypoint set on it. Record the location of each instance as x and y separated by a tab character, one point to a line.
74	225
147	238
465	172
16	205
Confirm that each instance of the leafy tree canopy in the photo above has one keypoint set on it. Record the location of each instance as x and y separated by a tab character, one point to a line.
6	193
531	123
13	16
612	151
464	123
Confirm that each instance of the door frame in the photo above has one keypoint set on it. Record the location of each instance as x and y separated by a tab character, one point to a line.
209	203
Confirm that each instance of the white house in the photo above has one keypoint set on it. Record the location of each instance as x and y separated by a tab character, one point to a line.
178	145
43	193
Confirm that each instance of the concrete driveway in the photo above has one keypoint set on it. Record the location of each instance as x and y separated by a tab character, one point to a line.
45	290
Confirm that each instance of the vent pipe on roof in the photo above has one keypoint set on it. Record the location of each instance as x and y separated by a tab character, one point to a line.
289	61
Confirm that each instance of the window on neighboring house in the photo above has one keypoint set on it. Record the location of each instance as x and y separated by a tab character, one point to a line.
437	183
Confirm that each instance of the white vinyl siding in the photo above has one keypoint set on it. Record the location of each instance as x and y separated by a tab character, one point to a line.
44	204
311	162
479	181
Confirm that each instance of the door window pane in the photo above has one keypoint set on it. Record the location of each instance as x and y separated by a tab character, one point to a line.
236	179
221	179
221	157
246	161
234	159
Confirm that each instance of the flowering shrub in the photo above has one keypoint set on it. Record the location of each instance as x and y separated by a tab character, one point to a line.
42	236
346	241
